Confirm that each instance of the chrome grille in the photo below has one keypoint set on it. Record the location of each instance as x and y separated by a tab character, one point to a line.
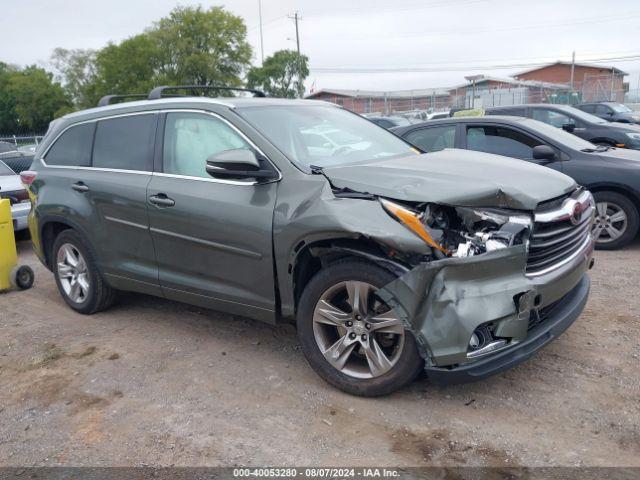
560	233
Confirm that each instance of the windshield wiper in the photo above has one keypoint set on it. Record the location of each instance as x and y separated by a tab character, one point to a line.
600	148
316	170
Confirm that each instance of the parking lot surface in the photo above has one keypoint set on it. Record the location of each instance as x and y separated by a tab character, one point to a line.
152	382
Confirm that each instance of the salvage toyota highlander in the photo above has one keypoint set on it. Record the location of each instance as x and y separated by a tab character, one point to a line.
390	261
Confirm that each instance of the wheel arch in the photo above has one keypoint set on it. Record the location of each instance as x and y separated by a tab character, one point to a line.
50	227
311	257
617	188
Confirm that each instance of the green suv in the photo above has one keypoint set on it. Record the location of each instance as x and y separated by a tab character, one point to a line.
392	262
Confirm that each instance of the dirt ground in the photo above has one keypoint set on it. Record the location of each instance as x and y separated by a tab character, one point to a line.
152	382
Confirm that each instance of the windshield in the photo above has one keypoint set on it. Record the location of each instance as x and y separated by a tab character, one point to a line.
4	170
560	136
324	135
620	108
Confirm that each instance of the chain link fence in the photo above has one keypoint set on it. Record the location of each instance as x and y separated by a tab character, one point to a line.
21	140
595	88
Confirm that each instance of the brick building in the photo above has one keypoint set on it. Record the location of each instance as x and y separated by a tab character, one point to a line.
594	82
385	103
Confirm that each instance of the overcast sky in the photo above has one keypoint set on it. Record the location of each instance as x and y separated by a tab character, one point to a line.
450	38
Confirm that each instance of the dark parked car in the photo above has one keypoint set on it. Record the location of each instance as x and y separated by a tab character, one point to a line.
390	122
584	125
611	174
461	263
610	111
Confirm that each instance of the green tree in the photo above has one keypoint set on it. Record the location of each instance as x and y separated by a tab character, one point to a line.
202	47
76	71
29	99
281	75
8	118
129	67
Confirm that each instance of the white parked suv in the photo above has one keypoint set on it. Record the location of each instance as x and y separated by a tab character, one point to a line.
11	187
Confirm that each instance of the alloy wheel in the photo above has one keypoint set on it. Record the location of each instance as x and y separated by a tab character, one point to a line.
357	333
610	222
72	273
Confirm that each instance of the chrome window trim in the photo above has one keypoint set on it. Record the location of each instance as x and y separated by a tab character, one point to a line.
235	129
95	169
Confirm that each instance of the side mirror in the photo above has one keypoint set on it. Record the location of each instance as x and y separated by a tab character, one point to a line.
544	152
236	163
569	127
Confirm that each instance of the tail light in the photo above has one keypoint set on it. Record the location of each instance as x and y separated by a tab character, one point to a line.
27	177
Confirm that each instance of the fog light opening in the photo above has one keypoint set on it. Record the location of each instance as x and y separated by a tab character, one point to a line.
483	342
480	338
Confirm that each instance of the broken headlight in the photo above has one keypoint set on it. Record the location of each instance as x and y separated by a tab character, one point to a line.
485	230
462	231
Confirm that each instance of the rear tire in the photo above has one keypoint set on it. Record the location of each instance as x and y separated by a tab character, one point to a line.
385	360
617	220
77	276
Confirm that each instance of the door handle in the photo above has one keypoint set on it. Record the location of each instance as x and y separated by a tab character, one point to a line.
161	200
80	187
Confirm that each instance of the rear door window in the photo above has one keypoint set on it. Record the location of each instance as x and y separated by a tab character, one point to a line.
434	138
602	110
73	148
588	108
125	143
501	141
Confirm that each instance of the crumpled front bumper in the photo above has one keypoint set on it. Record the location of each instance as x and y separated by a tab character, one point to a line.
445	301
563	316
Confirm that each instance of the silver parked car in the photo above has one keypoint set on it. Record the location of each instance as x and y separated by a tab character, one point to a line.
11	187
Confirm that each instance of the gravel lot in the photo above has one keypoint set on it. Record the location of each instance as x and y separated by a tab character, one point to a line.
153	382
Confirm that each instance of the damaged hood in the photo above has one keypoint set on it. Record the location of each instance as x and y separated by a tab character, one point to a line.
455	177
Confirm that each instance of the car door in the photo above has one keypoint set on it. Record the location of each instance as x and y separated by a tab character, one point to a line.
97	176
432	138
116	189
212	237
504	140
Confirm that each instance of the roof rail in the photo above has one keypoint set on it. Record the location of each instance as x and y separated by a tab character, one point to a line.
107	99
157	92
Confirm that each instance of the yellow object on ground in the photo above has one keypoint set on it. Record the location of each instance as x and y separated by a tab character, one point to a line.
8	254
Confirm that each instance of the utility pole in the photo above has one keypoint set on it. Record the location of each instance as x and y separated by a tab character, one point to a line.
300	89
296	17
573	66
261	37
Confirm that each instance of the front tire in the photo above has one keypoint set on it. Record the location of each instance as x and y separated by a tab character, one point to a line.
616	222
350	337
77	277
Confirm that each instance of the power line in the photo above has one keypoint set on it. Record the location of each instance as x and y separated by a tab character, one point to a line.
423	69
473	31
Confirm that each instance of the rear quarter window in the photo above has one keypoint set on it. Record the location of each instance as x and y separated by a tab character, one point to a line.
125	143
73	147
